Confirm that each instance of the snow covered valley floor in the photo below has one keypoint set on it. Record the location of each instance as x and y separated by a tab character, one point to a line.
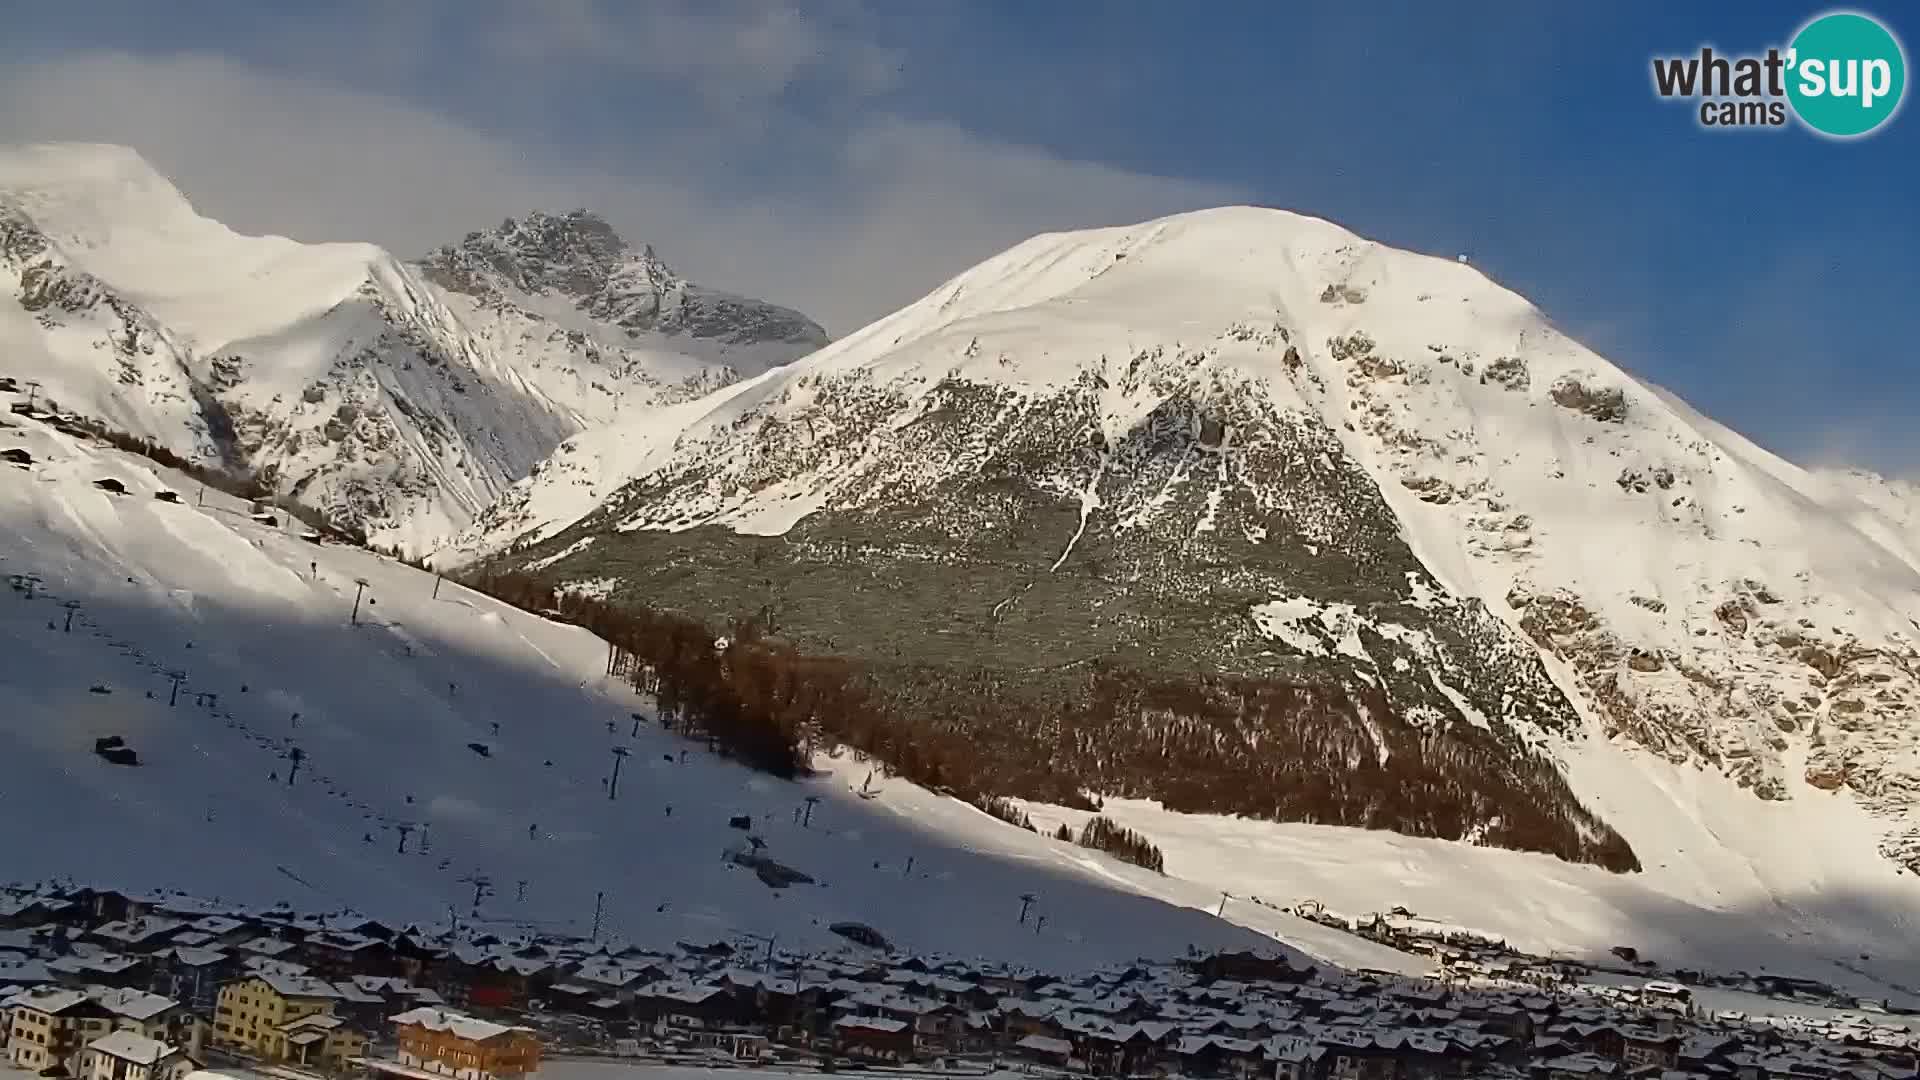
389	711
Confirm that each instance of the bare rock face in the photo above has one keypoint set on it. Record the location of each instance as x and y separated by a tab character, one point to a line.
1507	371
1606	404
579	257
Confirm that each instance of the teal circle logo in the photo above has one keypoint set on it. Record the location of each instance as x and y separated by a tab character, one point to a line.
1847	74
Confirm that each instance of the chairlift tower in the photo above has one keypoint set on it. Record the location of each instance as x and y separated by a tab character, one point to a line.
613	782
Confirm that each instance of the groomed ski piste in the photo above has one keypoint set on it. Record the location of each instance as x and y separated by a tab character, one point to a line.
390	709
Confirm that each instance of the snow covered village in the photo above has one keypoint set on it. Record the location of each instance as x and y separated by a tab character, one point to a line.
106	984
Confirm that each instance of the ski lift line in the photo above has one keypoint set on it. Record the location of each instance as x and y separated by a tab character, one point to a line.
323	780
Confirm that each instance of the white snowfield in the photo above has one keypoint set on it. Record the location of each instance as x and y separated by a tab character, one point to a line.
386	711
1739	633
368	389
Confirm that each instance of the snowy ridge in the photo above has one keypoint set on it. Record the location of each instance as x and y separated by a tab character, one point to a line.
1702	603
344	375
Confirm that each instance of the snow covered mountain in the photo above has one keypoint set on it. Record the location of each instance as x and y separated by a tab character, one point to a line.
307	746
385	712
348	378
1397	552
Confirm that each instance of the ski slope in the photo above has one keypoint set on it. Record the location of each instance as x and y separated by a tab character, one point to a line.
386	710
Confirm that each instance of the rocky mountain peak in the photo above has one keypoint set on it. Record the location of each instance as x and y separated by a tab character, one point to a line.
577	254
579	257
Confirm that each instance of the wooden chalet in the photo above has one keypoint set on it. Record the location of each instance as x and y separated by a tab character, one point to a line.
26	912
790	1008
677	1006
491	981
344	955
438	1041
192	974
873	1038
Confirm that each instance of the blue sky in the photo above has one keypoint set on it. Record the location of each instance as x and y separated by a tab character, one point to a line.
846	157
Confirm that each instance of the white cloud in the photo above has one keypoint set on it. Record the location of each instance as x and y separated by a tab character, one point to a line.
896	208
750	51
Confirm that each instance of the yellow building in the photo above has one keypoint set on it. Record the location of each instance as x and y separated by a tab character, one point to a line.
285	1017
49	1026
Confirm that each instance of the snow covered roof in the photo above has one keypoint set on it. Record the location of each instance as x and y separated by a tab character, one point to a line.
12	905
690	993
871	1023
350	992
194	957
457	1024
51	1000
218	924
341	942
132	1047
303	986
265	965
134	931
881	997
159	898
133	1004
943	983
21	972
98	963
385	984
1045	1045
1590	1064
613	972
